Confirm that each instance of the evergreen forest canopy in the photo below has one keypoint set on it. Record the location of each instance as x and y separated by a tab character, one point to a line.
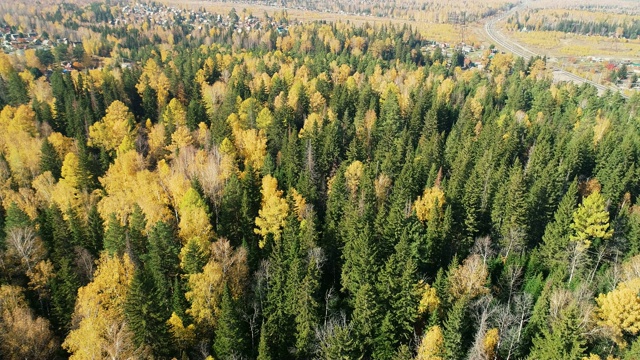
344	196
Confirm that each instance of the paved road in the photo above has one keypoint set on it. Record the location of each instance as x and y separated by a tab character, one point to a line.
509	45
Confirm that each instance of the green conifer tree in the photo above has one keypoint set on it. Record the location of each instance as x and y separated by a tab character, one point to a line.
50	161
307	307
16	218
95	231
555	241
454	331
17	89
147	314
150	104
563	340
115	237
64	289
136	239
263	346
229	339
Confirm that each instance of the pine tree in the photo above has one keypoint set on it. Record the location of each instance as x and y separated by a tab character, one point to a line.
616	166
163	250
307	307
229	224
64	286
249	209
77	229
17	90
220	128
389	225
440	284
279	323
16	218
55	234
229	340
454	330
196	113
115	236
95	231
147	314
178	303
64	289
88	169
476	198
390	122
263	346
539	315
555	240
330	239
365	319
150	103
360	259
384	341
562	340
50	161
136	239
632	352
430	249
291	161
332	147
4	97
193	257
338	342
43	112
513	217
398	292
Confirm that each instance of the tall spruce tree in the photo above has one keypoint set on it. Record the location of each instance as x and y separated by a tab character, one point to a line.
146	313
562	340
115	236
454	331
50	161
229	339
555	240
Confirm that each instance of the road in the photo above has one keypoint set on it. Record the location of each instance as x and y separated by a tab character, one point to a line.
509	45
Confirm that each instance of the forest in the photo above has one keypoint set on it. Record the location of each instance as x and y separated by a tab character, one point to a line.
629	30
333	192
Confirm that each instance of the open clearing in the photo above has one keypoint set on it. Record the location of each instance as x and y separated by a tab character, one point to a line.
557	44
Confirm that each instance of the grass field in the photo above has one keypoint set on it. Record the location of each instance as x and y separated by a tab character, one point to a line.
555	43
620	6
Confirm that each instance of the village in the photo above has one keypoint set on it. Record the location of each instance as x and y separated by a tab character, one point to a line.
11	41
169	16
166	16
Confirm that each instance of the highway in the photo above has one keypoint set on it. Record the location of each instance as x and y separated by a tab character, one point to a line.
500	40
